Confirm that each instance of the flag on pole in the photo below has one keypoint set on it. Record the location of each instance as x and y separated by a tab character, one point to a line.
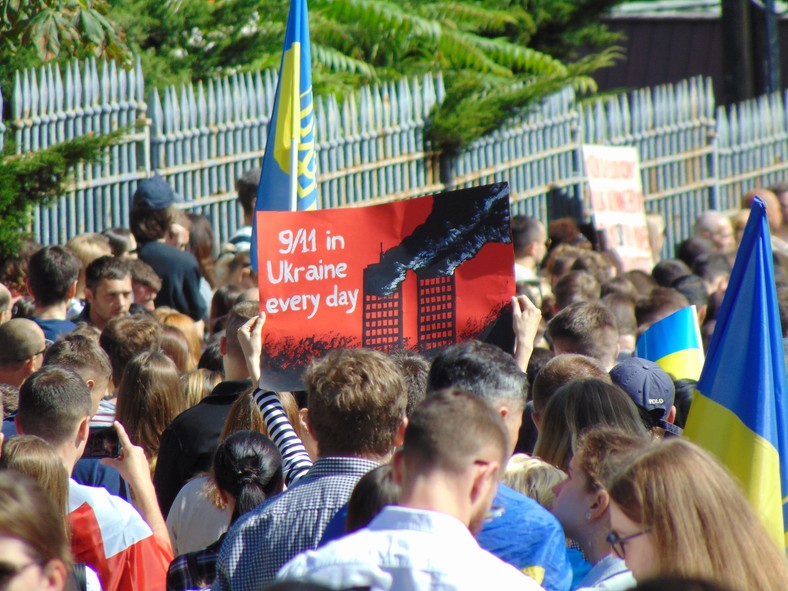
288	180
674	343
739	412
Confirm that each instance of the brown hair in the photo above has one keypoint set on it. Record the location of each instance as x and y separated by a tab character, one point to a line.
201	246
82	354
187	326
149	398
576	286
601	451
127	336
561	370
432	441
580	405
143	273
588	328
149	225
175	346
701	522
356	400
660	303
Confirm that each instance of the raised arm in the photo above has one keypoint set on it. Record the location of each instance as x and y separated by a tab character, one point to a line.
295	459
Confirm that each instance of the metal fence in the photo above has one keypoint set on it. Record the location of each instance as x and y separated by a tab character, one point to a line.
372	147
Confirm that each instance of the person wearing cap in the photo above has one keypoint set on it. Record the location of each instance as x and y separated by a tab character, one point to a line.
22	347
652	391
152	213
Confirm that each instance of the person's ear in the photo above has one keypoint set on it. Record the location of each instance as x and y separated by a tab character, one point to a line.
223	346
91	384
54	573
399	438
83	431
29	288
89	295
18	425
671	415
599	504
307	423
485	475
72	291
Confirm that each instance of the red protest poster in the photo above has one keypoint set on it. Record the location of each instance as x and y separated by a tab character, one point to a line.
418	274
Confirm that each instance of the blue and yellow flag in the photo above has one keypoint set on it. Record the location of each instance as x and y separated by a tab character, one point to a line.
291	130
674	343
739	412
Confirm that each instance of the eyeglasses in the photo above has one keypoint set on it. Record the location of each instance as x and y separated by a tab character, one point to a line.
10	571
617	543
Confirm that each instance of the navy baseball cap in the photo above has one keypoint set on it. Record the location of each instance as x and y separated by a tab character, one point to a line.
153	193
649	386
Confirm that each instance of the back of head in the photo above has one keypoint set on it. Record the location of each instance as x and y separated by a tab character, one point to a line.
701	524
376	489
598	265
356	402
623	308
561	370
659	304
525	231
692	288
52	403
125	337
621	286
649	387
770	200
576	286
222	304
711	267
51	273
149	398
28	515
690	249
667	271
240	314
89	246
578	406
587	328
642	281
106	267
481	369
601	451
246	185
82	354
32	456
414	369
20	339
431	441
532	477
248	466
152	210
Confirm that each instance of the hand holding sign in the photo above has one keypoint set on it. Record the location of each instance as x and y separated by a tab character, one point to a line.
525	321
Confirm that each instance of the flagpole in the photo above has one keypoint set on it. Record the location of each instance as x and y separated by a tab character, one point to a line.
293	175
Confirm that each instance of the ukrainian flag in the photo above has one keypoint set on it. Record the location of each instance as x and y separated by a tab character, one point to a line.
288	179
674	343
739	412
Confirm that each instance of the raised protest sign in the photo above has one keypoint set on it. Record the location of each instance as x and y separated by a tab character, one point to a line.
419	274
616	197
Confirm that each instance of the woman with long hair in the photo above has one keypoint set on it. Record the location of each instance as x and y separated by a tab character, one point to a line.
247	469
149	398
580	405
676	511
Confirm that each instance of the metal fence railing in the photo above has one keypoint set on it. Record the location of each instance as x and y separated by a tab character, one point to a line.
372	148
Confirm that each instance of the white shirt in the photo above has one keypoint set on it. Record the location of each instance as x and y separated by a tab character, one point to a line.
194	522
609	574
407	549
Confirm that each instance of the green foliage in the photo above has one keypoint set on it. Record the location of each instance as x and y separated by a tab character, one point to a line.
34	178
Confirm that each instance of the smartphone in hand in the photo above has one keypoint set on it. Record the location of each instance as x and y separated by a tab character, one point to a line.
102	443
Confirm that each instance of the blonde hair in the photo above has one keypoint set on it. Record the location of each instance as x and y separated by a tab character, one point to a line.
533	477
197	384
702	525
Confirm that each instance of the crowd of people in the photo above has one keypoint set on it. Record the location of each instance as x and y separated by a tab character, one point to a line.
140	451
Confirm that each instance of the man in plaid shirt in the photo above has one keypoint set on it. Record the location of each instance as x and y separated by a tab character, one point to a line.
356	401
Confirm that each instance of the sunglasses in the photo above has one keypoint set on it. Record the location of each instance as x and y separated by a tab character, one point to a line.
617	543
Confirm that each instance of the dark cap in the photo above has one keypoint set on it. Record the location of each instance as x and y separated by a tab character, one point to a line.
649	386
153	193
